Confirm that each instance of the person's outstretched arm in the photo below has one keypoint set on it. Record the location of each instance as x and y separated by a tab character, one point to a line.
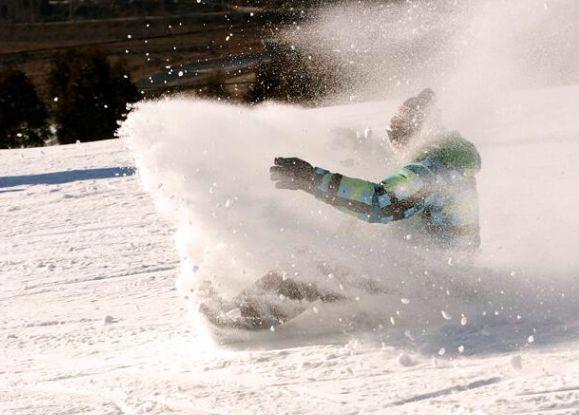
397	197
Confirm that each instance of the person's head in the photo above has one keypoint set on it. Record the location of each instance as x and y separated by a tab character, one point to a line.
411	118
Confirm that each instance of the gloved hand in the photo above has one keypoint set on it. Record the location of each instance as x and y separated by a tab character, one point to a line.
293	173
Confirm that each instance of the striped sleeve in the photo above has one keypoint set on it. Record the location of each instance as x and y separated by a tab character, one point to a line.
398	197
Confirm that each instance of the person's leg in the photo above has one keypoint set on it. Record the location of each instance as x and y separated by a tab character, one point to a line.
275	299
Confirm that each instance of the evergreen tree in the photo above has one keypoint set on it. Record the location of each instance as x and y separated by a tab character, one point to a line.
90	96
22	114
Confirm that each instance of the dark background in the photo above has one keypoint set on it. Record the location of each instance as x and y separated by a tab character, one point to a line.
70	69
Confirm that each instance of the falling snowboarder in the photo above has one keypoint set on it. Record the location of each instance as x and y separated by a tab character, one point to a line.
437	186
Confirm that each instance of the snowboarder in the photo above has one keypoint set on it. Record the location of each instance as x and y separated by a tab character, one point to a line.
437	183
436	188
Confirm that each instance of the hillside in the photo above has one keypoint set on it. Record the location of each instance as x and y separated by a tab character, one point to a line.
92	322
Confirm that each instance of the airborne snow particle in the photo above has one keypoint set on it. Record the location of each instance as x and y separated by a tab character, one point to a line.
406	360
442	351
461	349
180	73
517	362
108	320
463	320
445	315
405	301
531	339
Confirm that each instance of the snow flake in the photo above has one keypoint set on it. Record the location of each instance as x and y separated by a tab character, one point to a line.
108	320
406	360
517	362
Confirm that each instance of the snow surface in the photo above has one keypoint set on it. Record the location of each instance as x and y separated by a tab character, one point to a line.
92	321
101	263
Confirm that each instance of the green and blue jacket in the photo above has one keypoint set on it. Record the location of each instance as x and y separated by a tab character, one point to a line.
438	186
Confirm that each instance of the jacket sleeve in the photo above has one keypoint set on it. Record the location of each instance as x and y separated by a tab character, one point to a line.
398	197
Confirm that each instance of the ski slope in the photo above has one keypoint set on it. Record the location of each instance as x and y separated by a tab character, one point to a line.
92	321
100	264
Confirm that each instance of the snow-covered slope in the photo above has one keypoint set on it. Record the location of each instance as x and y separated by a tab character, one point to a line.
92	323
96	310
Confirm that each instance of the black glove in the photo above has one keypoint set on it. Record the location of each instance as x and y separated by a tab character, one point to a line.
294	174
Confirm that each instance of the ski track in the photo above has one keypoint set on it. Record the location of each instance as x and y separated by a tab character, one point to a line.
73	253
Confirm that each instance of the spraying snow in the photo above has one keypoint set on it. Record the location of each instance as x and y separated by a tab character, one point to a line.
499	84
92	323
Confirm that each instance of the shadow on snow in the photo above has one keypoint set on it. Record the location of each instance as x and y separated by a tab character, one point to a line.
68	176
